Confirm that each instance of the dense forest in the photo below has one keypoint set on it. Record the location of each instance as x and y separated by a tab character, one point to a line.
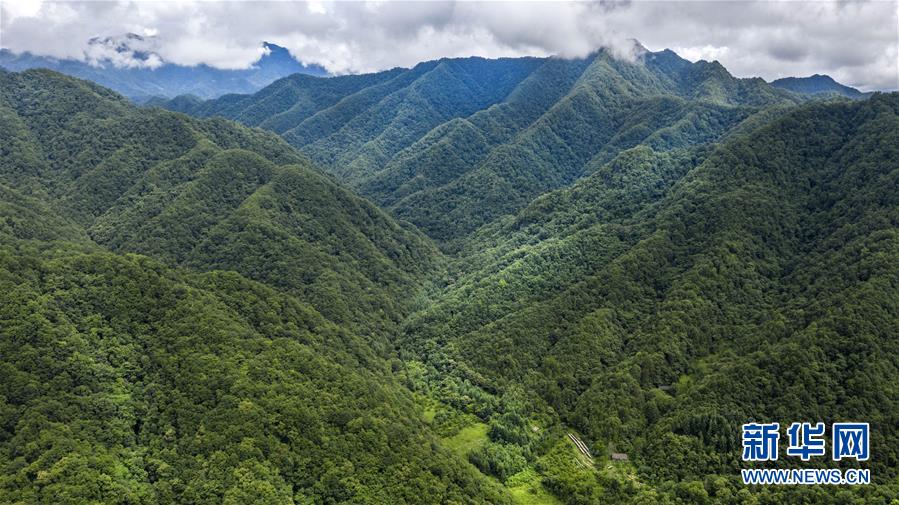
471	281
143	362
453	144
668	298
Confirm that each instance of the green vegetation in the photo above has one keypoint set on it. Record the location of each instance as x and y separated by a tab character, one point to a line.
646	254
130	379
468	439
209	195
454	144
527	488
127	382
669	297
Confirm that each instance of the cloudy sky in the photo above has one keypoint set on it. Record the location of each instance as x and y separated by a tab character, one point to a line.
853	41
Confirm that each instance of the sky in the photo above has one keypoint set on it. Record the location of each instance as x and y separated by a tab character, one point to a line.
855	42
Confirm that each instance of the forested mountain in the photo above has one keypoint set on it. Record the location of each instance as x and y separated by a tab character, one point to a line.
210	195
817	85
177	378
450	145
144	75
669	297
125	381
637	257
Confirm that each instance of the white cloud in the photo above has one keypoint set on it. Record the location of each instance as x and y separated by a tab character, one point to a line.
854	41
706	52
22	8
130	51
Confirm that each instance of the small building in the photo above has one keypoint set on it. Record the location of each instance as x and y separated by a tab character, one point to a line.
619	456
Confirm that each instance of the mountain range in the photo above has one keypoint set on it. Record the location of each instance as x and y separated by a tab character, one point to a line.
515	281
130	65
451	145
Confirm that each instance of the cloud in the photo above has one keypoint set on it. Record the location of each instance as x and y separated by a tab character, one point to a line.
854	41
706	52
128	51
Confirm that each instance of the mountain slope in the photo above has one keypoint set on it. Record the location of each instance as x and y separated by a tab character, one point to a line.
124	381
208	194
453	144
647	254
669	297
144	75
173	379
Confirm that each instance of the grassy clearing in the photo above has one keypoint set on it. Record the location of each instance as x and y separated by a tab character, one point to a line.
429	414
469	438
526	487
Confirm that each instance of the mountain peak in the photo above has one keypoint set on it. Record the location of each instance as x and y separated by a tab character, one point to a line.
279	59
274	52
668	59
274	48
816	84
820	78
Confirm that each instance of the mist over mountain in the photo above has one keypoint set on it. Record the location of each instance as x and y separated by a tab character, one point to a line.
129	65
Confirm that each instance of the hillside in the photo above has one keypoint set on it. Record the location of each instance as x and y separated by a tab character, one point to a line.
210	195
661	302
451	145
637	258
170	376
125	381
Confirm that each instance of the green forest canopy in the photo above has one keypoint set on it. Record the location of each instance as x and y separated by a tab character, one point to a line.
193	313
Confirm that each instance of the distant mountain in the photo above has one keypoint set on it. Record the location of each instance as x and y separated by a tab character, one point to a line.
453	144
130	65
817	84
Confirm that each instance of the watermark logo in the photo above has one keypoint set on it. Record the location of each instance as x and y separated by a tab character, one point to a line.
850	440
760	442
806	440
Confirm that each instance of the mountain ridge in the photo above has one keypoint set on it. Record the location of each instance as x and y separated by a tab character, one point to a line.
139	366
452	158
164	182
818	84
670	296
